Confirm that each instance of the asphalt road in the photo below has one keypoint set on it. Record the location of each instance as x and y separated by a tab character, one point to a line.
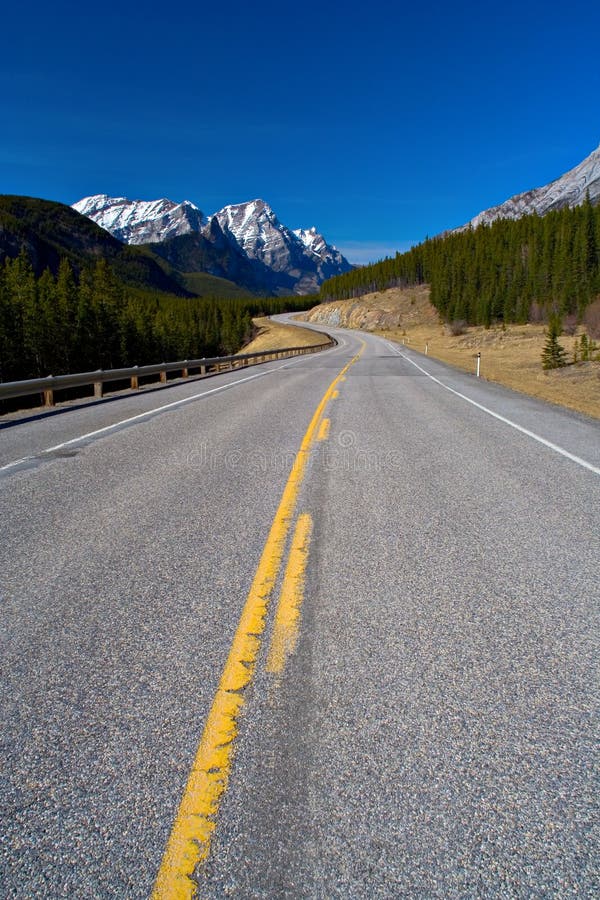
434	730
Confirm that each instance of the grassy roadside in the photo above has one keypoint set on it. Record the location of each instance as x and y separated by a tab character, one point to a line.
510	356
275	336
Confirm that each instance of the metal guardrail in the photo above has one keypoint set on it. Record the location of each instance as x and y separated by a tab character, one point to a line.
51	383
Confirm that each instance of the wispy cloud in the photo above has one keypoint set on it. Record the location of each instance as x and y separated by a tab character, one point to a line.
361	252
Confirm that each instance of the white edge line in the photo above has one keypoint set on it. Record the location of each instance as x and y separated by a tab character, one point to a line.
144	415
531	434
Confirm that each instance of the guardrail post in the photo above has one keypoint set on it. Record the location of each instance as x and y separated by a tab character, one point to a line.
184	371
98	387
134	381
163	376
203	370
49	395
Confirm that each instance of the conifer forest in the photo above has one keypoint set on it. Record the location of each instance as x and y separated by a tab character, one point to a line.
510	271
54	325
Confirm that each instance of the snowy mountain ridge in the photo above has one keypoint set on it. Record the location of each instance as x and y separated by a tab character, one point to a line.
299	261
568	190
141	221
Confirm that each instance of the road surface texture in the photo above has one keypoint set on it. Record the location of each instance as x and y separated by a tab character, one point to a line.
424	723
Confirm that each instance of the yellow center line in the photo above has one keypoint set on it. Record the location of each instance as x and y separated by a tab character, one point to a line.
324	430
189	843
286	626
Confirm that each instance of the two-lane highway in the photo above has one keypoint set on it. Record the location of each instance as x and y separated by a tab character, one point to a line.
343	616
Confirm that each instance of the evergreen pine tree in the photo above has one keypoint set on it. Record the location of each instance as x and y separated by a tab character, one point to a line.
553	355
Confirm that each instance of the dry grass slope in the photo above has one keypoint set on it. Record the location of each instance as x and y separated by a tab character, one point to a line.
275	336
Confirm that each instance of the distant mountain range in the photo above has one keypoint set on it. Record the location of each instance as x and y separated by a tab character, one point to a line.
245	243
570	190
244	248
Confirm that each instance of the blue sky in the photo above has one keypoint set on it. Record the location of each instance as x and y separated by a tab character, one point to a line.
378	122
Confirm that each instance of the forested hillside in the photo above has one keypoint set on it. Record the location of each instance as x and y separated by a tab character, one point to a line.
507	271
49	232
54	324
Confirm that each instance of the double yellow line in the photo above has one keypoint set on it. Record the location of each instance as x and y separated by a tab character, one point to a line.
189	842
287	617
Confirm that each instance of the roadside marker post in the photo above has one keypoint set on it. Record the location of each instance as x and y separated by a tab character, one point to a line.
478	363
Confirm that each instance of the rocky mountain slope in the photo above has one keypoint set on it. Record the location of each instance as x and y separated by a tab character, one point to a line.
213	252
244	242
331	260
568	190
396	308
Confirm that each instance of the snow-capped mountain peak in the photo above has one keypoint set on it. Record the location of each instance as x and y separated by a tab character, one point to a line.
241	217
141	221
304	252
314	241
257	230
